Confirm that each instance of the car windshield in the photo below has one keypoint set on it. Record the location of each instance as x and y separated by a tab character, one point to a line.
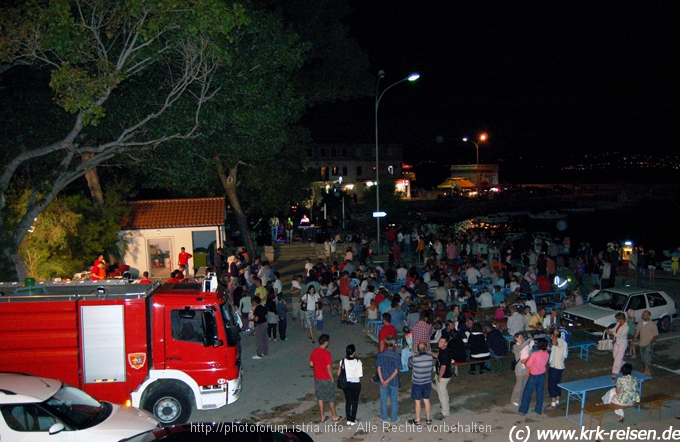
607	299
76	408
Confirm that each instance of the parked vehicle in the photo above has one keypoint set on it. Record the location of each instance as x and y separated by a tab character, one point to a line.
42	409
492	218
161	348
514	235
548	215
223	432
603	307
544	236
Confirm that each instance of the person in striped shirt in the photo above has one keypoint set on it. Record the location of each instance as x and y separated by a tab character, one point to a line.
422	364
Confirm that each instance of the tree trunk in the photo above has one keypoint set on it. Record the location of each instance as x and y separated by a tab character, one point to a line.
20	267
92	178
230	183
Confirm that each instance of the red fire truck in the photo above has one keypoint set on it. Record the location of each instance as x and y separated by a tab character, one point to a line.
163	348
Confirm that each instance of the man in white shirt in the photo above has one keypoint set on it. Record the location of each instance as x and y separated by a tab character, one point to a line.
402	273
278	285
515	321
368	296
485	300
473	275
440	293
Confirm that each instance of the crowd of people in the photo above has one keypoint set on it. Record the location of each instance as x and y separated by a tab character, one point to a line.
455	300
438	306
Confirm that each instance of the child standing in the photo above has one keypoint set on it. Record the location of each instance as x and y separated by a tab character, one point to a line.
282	313
319	316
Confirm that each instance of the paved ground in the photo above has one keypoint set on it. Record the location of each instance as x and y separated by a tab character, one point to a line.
279	390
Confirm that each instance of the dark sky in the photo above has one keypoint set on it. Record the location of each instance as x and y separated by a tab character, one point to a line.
544	79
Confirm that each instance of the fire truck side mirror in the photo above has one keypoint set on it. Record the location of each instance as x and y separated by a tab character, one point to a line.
210	336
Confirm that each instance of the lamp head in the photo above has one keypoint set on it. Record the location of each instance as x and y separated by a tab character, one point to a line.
483	137
381	74
465	139
414	76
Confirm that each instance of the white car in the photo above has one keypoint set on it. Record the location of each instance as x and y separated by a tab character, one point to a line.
602	308
37	409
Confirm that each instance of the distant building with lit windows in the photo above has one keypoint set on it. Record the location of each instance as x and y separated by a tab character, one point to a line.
478	175
352	166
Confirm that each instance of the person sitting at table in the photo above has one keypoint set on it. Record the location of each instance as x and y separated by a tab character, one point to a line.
543	284
498	295
529	302
464	327
527	317
479	350
539	332
515	321
500	311
625	392
537	318
578	298
485	300
551	320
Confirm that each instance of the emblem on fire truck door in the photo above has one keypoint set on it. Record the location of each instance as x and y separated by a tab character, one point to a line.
136	360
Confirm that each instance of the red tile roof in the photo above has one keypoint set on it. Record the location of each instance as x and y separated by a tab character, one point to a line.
190	212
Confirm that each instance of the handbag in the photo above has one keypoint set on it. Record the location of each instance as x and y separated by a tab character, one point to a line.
342	379
303	304
605	344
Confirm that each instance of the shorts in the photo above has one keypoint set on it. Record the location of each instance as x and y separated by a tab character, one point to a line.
421	391
325	390
296	310
345	302
319	325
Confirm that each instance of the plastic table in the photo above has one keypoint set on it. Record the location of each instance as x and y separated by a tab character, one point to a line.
578	389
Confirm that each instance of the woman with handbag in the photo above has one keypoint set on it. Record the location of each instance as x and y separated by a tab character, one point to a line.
350	371
620	334
308	305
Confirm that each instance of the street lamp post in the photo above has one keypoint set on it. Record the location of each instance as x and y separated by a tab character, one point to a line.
482	137
378	97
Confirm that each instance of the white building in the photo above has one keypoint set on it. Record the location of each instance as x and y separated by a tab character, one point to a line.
156	230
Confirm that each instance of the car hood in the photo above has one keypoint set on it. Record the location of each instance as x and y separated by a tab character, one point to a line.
123	422
590	311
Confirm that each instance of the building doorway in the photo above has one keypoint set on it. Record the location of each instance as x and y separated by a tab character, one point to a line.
161	255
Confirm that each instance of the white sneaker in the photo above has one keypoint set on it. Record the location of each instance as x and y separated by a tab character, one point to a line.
257	357
553	404
515	404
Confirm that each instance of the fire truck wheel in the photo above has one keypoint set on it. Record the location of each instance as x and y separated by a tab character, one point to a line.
169	405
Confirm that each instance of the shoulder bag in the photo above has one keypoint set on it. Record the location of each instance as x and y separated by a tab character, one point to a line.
342	379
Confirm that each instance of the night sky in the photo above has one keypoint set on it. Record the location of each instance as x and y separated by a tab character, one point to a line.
548	81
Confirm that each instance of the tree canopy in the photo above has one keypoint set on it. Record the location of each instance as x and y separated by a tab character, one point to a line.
95	51
188	91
